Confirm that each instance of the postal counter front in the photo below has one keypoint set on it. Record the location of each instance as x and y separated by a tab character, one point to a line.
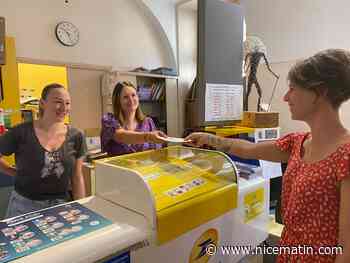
176	204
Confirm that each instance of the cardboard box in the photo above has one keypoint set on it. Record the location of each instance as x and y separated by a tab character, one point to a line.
256	119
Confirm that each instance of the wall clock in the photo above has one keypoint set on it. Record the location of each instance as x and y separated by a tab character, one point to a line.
67	33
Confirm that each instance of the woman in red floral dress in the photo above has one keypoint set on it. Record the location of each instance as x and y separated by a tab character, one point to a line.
316	184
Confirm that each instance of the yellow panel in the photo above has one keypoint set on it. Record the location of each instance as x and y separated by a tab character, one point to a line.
10	82
33	78
186	216
253	204
10	86
229	130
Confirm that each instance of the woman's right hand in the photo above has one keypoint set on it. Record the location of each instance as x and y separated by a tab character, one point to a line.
155	137
199	139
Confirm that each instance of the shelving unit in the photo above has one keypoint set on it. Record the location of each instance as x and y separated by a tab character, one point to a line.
152	94
158	95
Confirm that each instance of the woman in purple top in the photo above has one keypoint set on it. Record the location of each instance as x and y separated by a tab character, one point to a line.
127	129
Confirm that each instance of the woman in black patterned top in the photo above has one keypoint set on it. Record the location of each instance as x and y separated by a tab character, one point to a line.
48	154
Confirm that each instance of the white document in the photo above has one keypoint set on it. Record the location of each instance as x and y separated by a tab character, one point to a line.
271	169
223	102
174	139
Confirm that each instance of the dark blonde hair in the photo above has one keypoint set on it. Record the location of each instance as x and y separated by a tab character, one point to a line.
45	93
326	72
117	110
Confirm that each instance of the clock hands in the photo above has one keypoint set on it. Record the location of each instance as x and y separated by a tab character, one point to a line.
69	36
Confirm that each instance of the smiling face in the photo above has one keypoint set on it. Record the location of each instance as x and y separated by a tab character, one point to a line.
57	105
129	100
301	101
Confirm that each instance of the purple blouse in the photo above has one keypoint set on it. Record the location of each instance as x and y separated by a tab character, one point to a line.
109	145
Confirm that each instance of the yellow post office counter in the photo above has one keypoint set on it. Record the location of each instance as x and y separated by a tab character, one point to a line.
167	205
176	188
191	199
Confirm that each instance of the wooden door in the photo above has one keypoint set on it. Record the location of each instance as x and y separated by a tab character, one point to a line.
85	90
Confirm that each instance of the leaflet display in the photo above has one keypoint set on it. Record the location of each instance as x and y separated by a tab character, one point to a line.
32	232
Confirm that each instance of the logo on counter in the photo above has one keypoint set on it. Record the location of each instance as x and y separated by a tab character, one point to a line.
199	250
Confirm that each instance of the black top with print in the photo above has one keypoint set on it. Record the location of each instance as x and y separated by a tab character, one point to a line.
42	175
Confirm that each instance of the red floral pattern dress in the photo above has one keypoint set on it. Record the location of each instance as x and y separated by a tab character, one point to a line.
311	199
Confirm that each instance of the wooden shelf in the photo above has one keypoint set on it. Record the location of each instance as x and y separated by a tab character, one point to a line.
145	74
151	101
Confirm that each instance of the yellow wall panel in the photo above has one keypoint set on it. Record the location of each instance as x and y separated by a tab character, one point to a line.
33	78
10	82
10	86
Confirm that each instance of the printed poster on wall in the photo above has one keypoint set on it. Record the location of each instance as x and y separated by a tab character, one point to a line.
223	102
36	231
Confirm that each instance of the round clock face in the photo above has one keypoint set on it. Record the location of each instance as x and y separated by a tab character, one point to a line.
67	33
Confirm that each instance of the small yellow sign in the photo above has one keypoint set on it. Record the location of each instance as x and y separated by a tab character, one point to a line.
253	204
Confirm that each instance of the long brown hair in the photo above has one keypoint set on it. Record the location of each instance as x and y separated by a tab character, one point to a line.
45	92
117	110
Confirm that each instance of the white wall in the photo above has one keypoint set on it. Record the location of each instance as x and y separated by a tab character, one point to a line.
293	30
187	53
299	28
164	12
187	34
266	81
112	32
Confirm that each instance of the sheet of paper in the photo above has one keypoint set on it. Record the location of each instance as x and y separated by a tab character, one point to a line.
223	102
271	169
174	139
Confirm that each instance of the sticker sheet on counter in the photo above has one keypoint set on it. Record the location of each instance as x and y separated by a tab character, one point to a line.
32	232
